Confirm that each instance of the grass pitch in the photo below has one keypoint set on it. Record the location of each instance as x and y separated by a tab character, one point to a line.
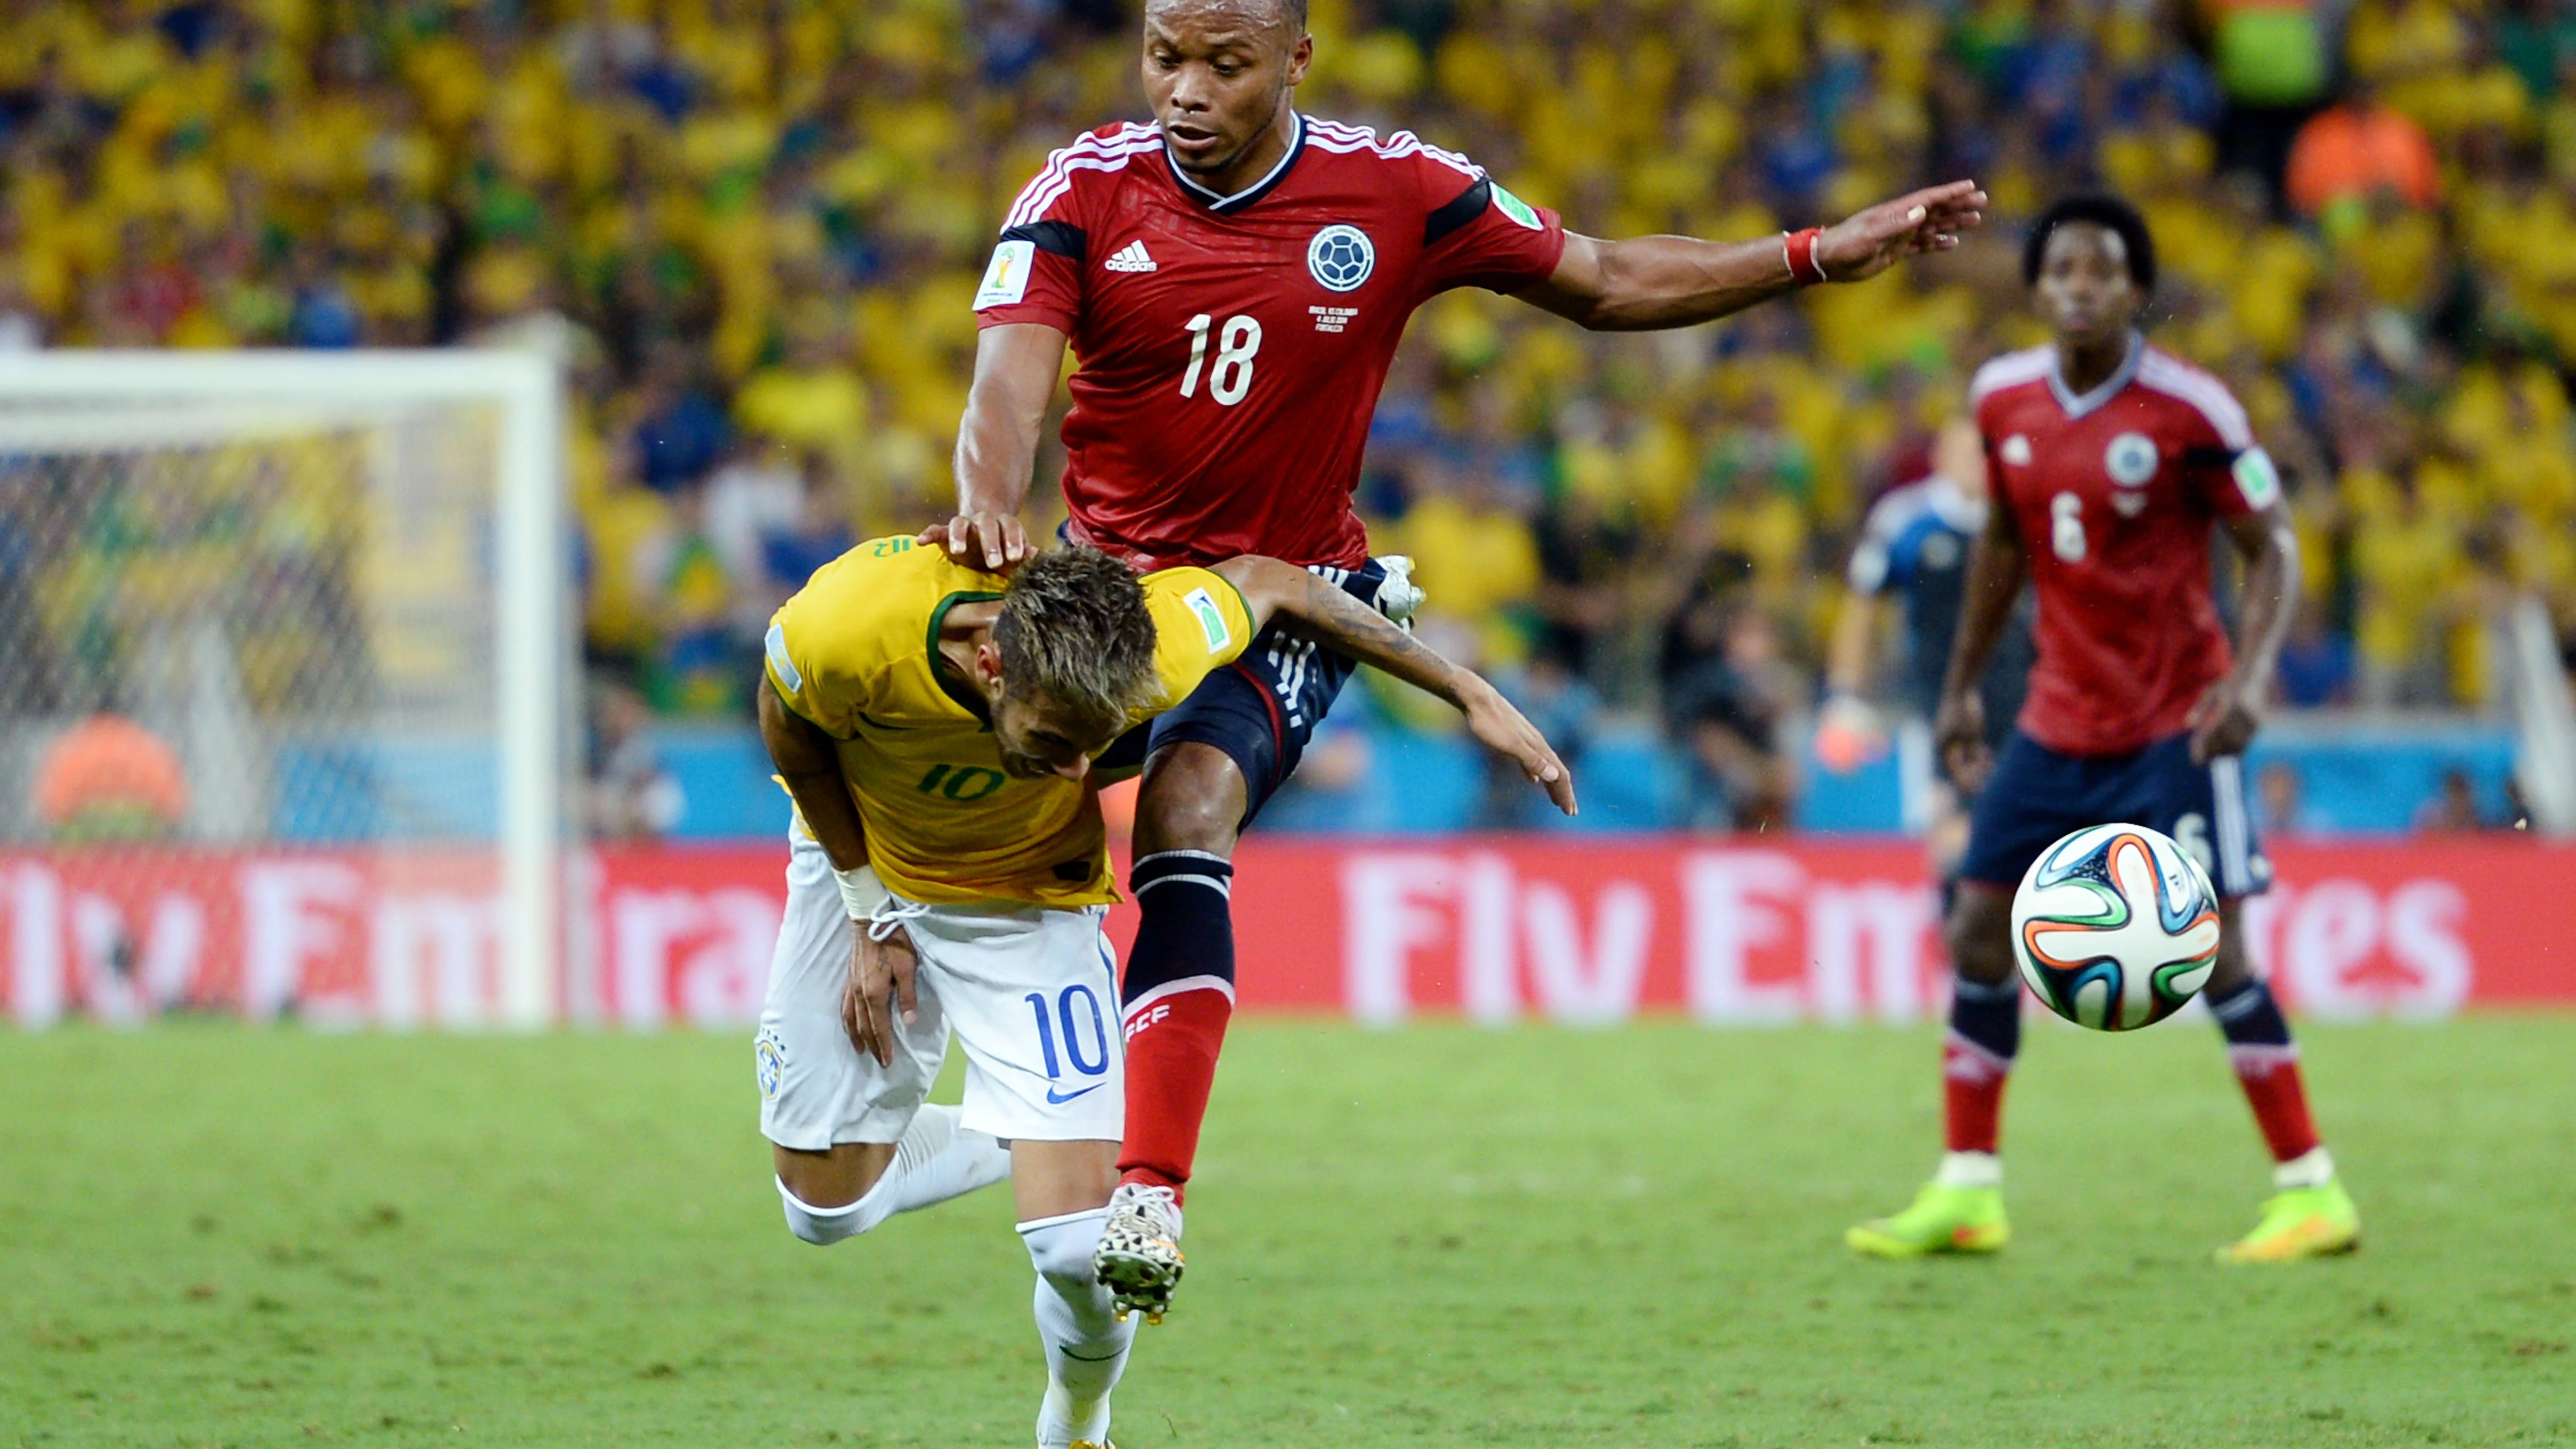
1439	1236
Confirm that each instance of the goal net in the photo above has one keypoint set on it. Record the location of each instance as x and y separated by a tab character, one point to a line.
284	648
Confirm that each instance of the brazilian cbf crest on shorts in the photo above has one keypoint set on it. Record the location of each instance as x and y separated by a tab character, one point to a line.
769	1058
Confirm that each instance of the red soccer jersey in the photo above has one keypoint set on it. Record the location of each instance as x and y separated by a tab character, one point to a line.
1231	348
2114	494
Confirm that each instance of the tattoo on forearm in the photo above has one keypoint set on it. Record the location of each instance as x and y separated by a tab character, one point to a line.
1344	624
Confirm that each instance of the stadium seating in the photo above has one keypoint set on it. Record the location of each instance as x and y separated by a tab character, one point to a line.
750	230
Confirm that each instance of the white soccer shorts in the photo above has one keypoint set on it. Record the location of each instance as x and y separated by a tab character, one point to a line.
1031	993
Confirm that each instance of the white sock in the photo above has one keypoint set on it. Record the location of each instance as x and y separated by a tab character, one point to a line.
825	1226
2311	1168
938	1160
1086	1345
935	1161
1970	1169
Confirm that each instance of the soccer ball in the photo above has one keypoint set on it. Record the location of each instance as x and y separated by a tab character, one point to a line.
2115	927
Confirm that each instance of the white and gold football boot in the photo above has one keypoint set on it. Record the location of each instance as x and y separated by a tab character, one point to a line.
1139	1257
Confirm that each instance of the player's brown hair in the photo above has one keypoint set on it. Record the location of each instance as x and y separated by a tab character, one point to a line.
1074	631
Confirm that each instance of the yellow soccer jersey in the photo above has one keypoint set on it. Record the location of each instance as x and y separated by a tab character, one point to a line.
856	652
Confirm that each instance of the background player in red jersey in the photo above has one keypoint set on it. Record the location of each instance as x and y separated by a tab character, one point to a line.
1234	279
2110	461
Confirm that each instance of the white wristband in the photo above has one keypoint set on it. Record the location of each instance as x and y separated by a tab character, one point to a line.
861	895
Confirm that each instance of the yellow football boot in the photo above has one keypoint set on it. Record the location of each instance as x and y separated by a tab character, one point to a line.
2304	1222
1942	1219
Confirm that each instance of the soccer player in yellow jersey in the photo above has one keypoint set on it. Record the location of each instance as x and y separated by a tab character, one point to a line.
941	731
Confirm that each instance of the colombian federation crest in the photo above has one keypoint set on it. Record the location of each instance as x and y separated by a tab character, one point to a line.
2131	460
1341	257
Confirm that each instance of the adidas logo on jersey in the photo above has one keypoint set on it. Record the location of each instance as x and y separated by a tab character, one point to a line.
1130	258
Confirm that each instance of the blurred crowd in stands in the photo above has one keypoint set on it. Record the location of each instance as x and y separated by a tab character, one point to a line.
750	228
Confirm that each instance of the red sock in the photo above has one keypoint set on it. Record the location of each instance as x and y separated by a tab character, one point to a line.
1178	992
2270	1076
1172	1045
1972	1094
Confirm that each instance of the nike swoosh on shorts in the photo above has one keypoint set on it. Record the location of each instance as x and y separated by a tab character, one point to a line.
1056	1098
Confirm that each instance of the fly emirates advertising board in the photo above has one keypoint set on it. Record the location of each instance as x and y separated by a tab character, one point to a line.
1491	929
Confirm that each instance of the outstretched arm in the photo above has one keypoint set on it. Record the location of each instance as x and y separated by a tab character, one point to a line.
1322	612
1016	366
1653	282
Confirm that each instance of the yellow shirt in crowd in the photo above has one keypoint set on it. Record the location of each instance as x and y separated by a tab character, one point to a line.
856	652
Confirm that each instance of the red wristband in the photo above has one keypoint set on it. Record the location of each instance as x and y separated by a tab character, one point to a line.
1801	247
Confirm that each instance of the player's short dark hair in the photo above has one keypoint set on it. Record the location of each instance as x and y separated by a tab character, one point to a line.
1074	630
2100	210
1292	13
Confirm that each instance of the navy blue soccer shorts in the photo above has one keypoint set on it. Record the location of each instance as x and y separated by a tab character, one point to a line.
1262	708
2037	795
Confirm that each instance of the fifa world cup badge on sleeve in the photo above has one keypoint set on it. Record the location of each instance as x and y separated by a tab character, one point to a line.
1517	209
1211	619
1007	280
776	644
2256	478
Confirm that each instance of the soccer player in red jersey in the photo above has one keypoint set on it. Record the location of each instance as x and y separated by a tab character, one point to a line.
2110	461
1233	279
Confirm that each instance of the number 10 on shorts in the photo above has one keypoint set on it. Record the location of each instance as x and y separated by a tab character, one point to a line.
1097	1062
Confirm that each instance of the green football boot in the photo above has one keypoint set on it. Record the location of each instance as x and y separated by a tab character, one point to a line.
1943	1219
2304	1222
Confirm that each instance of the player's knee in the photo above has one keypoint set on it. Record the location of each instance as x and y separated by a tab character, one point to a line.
1190	818
2232	970
1984	959
1979	936
1192	799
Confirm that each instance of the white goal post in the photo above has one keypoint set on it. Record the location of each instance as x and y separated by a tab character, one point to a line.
451	459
